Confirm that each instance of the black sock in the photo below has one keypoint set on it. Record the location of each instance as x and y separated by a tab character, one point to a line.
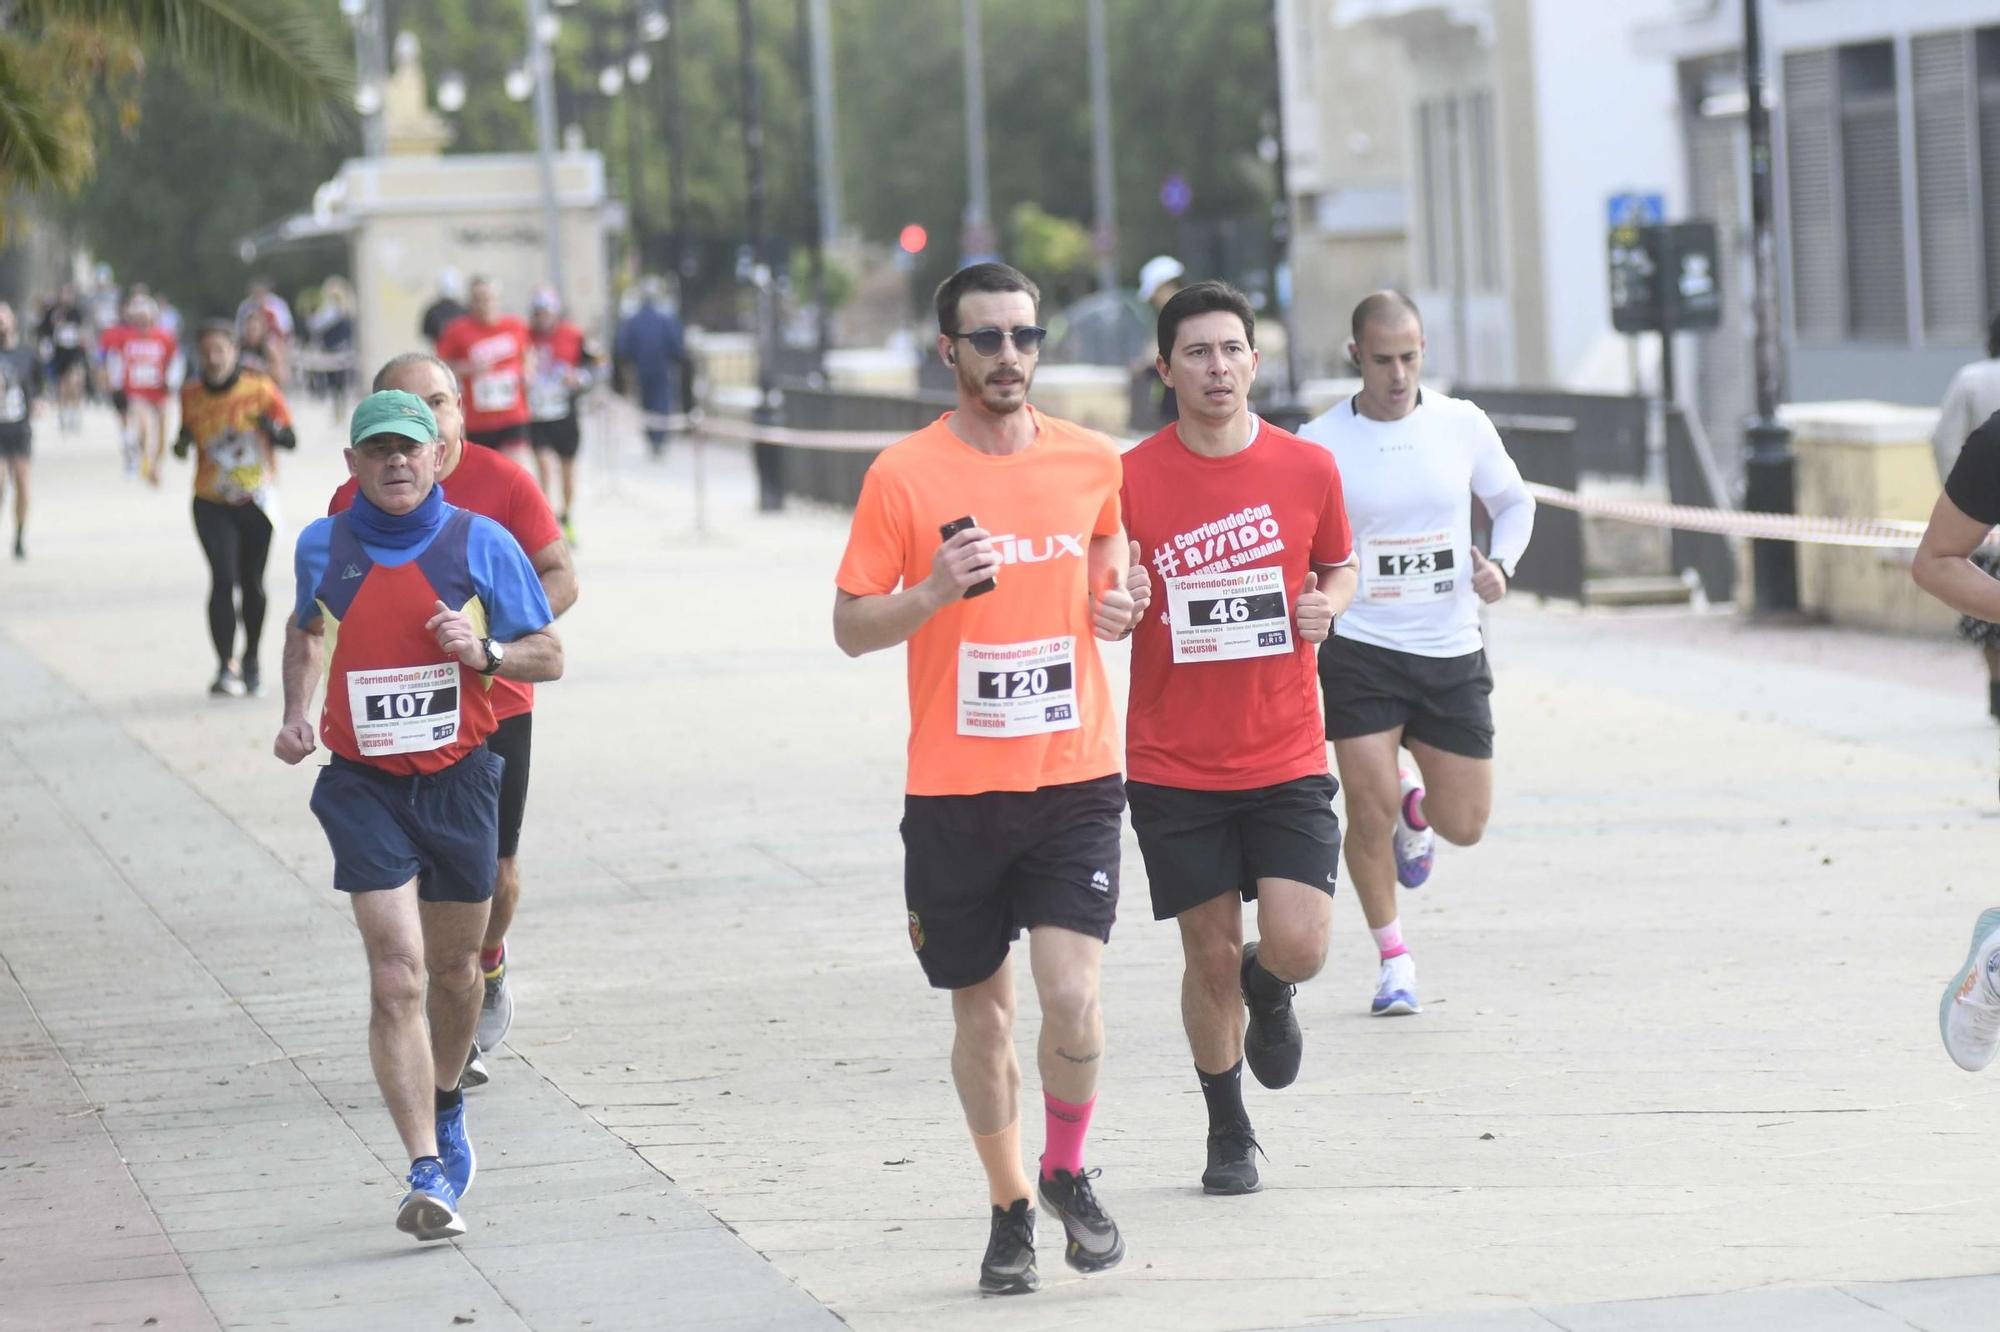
449	1100
1264	983
1224	1093
438	1161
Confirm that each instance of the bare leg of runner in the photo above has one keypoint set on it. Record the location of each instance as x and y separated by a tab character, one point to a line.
452	934
1458	792
399	1046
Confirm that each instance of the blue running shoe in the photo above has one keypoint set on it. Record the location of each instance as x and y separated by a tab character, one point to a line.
455	1150
1414	846
1969	1013
430	1209
1396	991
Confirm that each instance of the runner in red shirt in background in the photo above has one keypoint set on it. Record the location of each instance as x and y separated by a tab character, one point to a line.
1226	775
486	483
143	366
566	364
493	356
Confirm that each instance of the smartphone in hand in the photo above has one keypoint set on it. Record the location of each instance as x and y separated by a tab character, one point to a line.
952	529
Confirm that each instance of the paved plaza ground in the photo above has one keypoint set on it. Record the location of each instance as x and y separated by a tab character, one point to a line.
1678	1065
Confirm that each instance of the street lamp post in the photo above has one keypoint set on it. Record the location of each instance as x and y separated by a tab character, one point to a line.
976	240
541	65
1281	208
770	490
1100	151
1768	464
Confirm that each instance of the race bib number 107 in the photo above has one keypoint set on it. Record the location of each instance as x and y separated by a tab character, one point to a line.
1012	689
404	709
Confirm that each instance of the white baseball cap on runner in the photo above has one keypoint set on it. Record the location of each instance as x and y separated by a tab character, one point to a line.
1158	272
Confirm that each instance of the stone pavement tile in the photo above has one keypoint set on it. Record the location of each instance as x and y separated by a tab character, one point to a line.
286	1213
1494	1320
1821	1309
1950	1304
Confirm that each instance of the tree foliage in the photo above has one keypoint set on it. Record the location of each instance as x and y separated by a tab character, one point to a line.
277	59
1189	97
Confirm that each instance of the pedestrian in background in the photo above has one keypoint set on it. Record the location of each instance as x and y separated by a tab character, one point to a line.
653	348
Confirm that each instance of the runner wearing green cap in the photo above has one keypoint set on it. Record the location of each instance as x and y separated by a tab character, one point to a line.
415	607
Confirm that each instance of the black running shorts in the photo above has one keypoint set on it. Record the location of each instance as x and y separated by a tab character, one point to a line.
502	437
1441	701
512	740
979	869
558	437
1199	845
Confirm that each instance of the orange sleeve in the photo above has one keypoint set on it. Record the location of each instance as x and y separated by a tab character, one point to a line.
878	542
1110	518
275	404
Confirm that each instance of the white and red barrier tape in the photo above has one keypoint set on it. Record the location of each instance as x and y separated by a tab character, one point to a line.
1881	533
1810	529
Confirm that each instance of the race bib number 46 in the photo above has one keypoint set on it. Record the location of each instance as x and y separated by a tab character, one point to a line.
1403	570
1013	689
404	709
1229	616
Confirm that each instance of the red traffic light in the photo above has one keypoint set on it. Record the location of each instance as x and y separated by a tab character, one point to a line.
913	238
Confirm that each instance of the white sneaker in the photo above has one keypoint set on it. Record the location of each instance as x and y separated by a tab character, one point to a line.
1414	846
1969	1013
1396	991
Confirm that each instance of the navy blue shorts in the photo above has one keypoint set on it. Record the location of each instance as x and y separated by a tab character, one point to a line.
443	830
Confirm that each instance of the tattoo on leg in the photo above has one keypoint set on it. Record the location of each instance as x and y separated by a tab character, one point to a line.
1089	1058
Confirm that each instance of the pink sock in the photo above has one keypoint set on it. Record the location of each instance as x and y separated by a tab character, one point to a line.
1389	940
1067	1126
1413	809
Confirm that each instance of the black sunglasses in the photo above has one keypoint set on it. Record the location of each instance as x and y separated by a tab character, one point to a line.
1027	339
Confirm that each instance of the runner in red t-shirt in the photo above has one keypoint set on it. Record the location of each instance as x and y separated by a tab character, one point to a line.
493	355
566	365
142	364
488	483
1246	534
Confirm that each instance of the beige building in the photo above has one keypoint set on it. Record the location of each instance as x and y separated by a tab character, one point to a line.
1517	121
1344	164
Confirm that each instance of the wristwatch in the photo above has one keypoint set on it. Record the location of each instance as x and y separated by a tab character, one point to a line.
495	654
1506	568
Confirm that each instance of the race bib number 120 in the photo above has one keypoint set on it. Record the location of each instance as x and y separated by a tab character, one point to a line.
1013	689
1229	616
404	709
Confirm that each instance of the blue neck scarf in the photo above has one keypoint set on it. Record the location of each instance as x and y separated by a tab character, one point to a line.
389	531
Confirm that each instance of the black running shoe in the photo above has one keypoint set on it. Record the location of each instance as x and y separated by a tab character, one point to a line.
1273	1043
1009	1265
1232	1161
1094	1241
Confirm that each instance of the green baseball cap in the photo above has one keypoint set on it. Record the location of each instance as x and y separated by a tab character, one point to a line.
393	412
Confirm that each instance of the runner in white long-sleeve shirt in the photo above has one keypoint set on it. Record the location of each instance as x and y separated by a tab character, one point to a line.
1405	666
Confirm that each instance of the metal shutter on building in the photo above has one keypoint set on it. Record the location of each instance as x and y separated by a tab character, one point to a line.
1941	85
1812	191
1988	43
1871	173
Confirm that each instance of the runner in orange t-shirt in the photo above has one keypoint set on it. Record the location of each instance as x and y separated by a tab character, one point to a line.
1231	799
1000	526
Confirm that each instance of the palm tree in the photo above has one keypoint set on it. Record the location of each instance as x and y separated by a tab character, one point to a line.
275	58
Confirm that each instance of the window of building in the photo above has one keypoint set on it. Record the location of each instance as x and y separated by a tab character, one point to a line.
1948	223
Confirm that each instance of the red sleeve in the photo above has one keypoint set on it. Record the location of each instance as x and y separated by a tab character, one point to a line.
529	516
1333	541
343	498
447	343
